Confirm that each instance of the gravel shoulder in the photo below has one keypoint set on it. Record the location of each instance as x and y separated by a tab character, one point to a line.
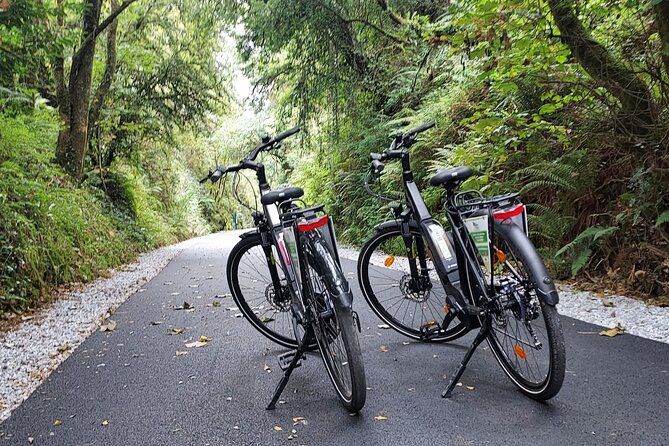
34	349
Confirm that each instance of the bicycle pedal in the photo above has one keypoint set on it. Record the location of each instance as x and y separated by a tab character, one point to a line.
429	330
284	359
473	310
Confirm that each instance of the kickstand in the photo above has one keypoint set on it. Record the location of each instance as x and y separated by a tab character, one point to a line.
301	349
486	326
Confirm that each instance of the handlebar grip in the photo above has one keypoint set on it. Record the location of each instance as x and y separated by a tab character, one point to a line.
286	134
217	174
377	167
420	128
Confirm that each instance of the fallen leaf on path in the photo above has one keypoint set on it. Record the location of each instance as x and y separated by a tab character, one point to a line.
380	418
178	353
266	319
470	387
204	339
196	344
176	331
611	332
383	326
278	428
30	440
384	349
215	304
57	422
299	420
109	326
105	423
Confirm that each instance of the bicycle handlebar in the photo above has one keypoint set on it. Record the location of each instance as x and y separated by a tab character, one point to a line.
421	128
247	163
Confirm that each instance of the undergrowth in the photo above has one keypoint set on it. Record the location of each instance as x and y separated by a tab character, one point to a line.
54	232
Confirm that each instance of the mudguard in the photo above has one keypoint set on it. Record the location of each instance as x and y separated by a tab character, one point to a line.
545	286
246	235
335	281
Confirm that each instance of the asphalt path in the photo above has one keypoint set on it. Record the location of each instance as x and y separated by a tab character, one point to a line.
129	386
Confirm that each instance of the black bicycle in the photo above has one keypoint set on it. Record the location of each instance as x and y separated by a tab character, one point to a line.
484	273
286	279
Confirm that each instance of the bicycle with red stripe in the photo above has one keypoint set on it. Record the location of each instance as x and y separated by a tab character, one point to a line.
485	273
286	279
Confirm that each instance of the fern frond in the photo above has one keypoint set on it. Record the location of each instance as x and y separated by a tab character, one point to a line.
663	218
580	261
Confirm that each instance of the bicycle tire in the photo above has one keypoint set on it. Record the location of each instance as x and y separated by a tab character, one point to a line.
272	318
335	330
512	350
431	308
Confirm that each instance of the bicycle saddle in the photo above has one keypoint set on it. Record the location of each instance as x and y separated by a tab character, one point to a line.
451	176
279	195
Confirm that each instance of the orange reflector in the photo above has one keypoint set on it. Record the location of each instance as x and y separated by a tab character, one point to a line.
389	261
500	255
446	309
520	352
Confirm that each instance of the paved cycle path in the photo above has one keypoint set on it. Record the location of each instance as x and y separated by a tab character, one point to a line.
129	387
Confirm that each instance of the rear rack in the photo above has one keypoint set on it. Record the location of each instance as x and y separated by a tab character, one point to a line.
470	201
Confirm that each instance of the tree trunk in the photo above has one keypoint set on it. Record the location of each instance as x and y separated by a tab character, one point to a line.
74	108
107	78
638	109
73	137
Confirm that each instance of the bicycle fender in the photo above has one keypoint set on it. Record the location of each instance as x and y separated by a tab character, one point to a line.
248	234
395	223
545	286
334	278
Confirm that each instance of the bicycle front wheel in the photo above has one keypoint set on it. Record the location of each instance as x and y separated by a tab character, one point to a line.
265	307
526	337
386	282
335	329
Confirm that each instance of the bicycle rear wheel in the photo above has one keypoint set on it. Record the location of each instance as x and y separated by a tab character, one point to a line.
267	309
526	337
335	329
384	277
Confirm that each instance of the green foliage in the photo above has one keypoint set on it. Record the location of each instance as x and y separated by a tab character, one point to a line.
508	97
51	232
663	218
582	246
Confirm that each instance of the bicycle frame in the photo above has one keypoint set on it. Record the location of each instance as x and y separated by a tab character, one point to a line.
439	245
